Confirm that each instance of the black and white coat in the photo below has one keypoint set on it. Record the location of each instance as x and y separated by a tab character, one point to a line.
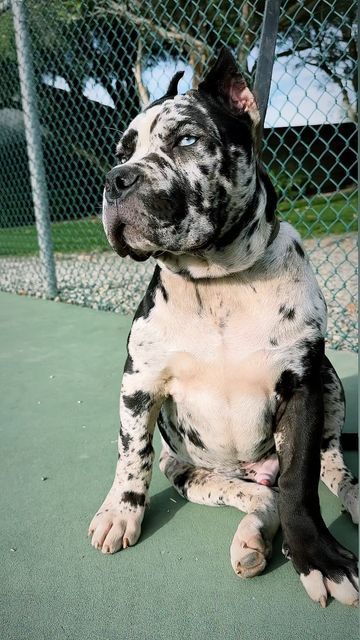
226	351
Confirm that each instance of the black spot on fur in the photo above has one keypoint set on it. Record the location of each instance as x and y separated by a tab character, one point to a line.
129	365
128	142
148	300
312	360
163	291
133	498
288	313
299	250
147	450
245	219
154	123
271	197
166	436
185	273
287	383
274	342
204	169
126	440
182	479
194	437
198	298
159	161
315	324
181	428
137	402
253	227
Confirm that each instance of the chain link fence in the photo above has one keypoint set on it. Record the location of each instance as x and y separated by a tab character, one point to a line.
96	63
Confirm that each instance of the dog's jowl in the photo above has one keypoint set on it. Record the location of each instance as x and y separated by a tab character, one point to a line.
226	351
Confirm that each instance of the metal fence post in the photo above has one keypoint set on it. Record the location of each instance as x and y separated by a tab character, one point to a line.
265	60
33	142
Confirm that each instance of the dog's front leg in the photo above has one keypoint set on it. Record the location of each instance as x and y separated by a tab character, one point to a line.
117	524
323	564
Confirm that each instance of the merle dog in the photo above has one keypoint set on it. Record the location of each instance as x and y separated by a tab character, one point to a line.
226	351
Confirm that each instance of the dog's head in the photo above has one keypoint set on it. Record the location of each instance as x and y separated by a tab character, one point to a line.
187	181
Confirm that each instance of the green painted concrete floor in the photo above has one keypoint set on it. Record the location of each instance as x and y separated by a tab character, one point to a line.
59	380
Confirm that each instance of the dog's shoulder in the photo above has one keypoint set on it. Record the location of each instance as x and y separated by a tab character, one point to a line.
286	260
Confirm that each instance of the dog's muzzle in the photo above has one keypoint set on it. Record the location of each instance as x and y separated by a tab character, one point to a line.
120	189
120	182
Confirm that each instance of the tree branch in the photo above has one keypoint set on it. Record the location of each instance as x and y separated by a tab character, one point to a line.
170	34
292	51
296	8
142	90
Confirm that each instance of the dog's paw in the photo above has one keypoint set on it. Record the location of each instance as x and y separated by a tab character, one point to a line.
343	589
249	550
325	567
115	527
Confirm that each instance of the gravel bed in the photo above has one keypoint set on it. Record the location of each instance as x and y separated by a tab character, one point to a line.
104	281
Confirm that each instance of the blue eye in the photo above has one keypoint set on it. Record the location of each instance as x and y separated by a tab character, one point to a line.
186	141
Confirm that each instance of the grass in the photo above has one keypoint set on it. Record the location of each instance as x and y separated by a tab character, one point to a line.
320	215
323	215
74	236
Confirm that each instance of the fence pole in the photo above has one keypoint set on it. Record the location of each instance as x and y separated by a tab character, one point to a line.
33	143
265	60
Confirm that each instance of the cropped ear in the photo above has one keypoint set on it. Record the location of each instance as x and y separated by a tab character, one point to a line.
173	86
225	81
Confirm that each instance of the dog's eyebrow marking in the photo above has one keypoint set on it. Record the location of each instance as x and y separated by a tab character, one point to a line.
142	126
128	141
183	127
154	122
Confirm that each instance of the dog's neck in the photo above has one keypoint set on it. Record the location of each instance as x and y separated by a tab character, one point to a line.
239	254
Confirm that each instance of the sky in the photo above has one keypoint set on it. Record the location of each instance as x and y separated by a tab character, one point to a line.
297	96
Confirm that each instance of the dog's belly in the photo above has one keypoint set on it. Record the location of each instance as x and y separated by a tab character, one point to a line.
218	413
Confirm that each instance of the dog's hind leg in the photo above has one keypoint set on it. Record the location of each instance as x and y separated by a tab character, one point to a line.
334	472
251	546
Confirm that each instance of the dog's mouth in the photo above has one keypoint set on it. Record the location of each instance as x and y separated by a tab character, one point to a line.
123	249
128	239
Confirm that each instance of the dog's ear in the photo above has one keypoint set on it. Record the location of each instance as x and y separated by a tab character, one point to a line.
225	81
172	89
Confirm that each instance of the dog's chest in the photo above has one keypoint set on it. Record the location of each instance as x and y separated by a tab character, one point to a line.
220	373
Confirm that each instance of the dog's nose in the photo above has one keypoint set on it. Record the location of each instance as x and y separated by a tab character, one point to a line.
120	181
